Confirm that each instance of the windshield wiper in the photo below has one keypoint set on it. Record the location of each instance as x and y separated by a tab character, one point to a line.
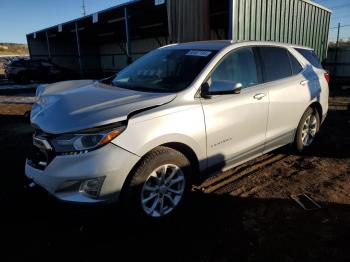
141	88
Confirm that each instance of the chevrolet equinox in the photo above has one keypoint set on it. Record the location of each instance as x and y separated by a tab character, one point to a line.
179	111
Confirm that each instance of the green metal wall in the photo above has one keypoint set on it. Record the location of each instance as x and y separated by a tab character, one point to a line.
289	21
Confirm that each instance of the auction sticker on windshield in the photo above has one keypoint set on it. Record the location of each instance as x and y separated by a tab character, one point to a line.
199	53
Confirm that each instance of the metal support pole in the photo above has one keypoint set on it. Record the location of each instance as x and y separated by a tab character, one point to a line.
48	45
29	45
78	49
84	9
230	22
338	35
127	33
336	52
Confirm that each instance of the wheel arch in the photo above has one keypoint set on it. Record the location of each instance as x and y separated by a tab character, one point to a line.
189	153
186	150
318	107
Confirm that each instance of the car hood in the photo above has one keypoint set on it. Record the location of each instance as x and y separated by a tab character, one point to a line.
77	105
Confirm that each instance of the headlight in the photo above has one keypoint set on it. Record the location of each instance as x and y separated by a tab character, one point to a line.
71	143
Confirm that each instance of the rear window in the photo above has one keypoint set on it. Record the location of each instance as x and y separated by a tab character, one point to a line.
276	64
310	56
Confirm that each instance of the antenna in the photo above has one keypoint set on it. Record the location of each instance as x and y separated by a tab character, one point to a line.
84	8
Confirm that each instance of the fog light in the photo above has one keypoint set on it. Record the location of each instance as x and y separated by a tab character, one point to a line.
92	187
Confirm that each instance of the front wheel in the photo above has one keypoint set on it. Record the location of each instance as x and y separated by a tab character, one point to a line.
159	185
307	129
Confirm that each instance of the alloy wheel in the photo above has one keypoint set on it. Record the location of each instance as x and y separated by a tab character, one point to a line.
309	130
163	190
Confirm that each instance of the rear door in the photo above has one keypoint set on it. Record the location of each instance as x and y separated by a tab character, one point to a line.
289	94
316	79
236	123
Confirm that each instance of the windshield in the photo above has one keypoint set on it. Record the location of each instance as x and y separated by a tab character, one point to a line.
164	70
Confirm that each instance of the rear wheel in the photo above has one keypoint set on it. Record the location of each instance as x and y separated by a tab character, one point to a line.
159	185
307	129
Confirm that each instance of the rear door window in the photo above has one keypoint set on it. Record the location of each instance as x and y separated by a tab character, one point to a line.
275	63
310	56
296	66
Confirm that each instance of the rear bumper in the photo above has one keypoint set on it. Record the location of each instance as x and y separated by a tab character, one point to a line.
63	177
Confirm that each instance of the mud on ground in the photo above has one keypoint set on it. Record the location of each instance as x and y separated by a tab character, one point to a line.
245	214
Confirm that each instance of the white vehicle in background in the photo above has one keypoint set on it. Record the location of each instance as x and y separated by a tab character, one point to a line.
177	112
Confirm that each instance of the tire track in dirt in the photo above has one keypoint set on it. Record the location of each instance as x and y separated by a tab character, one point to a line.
257	180
225	182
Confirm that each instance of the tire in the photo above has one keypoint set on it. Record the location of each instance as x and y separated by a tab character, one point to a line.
310	130
145	185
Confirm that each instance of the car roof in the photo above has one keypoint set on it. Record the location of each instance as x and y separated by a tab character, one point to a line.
221	44
207	45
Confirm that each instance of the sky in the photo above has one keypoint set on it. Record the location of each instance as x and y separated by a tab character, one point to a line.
341	14
20	17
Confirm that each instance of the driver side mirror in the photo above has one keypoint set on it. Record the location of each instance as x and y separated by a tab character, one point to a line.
220	88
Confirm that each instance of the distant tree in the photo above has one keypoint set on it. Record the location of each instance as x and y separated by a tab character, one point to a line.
13	49
342	42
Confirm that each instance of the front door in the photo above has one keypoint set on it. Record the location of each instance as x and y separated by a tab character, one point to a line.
236	123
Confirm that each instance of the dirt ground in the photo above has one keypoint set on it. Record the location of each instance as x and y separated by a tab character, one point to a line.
245	214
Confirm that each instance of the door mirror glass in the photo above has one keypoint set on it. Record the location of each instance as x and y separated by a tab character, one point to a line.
222	87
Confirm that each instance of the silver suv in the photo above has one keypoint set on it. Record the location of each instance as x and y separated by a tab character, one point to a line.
181	110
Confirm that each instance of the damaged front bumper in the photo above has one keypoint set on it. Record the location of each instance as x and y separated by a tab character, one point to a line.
92	177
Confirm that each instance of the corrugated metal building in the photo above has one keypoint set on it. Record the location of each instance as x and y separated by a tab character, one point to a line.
105	42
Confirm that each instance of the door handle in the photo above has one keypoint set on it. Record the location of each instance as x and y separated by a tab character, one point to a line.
304	82
259	96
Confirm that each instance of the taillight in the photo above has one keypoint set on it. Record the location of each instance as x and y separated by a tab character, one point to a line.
327	77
